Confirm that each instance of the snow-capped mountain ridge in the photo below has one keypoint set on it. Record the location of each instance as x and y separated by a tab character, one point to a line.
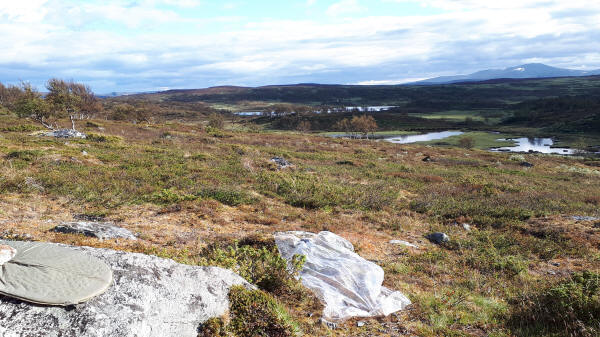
531	70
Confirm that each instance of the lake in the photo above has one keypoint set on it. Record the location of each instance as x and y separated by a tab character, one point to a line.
369	108
348	108
541	145
407	139
249	113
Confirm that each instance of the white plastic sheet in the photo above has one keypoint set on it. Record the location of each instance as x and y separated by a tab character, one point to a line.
347	284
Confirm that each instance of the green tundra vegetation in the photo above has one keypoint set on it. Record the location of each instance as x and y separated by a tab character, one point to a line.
202	189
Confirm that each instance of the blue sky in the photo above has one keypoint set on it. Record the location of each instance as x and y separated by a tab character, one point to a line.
143	45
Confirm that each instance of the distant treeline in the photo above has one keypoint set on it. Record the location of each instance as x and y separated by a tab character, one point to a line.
501	95
565	114
384	121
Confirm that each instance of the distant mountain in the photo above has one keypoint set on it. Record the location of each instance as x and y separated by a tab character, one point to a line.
532	70
118	94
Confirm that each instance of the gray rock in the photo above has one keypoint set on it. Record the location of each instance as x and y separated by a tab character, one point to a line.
526	164
403	243
466	227
438	238
360	324
584	218
150	297
281	162
100	230
65	133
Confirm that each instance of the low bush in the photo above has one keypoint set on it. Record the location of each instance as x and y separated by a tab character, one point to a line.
466	142
22	128
91	124
216	132
252	313
214	327
570	307
312	192
255	313
489	252
262	266
25	155
168	196
216	121
99	138
303	190
227	195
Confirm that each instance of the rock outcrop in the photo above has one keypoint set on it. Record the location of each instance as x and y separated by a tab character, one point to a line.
65	133
100	230
150	297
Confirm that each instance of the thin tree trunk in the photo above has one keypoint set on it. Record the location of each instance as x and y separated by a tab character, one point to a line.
47	126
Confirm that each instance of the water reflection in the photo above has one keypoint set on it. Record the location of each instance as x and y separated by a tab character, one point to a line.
422	138
541	145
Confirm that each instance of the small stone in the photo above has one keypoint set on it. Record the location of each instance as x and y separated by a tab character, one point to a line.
427	159
6	253
438	238
556	264
466	227
84	153
281	162
360	324
526	164
403	243
328	324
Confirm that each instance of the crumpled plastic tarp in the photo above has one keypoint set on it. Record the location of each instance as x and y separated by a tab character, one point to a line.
51	274
346	283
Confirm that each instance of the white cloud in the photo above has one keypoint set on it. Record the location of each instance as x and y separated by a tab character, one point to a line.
48	39
344	7
505	4
183	3
23	11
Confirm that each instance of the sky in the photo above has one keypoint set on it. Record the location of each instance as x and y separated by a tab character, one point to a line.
148	45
